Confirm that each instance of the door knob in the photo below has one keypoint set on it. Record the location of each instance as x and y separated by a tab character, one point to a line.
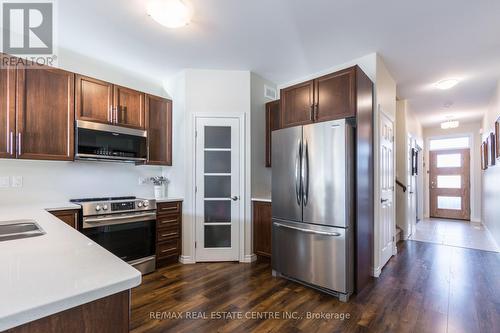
234	197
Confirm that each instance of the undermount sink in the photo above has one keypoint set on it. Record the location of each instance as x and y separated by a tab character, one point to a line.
17	229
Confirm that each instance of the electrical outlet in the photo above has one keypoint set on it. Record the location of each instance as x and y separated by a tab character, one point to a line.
142	180
4	181
17	181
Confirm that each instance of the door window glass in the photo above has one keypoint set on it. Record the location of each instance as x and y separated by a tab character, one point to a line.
449	181
449	143
454	203
449	160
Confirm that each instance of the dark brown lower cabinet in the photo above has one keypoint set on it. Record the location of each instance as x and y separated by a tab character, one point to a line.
168	233
262	226
106	315
70	216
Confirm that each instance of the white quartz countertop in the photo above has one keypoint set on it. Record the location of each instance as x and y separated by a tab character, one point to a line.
261	199
43	275
160	200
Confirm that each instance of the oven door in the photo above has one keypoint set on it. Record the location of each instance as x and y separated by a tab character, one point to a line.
128	236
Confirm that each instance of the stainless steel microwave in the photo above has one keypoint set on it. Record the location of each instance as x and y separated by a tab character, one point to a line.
102	142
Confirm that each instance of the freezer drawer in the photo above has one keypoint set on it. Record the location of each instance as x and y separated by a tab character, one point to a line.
317	255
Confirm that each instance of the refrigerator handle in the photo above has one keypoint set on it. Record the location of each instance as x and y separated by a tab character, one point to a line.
305	174
298	172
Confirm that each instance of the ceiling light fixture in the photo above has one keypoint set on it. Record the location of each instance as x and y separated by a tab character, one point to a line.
446	84
450	124
170	13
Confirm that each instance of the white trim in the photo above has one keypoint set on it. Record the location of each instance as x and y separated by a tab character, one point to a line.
248	258
186	260
241	117
474	188
376	271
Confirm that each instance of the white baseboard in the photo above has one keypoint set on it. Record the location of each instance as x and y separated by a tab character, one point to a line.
376	272
490	236
249	258
187	260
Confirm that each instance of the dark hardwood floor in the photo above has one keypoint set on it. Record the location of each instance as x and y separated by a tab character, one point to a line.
425	288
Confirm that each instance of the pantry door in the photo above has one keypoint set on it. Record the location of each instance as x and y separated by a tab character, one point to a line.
450	184
218	190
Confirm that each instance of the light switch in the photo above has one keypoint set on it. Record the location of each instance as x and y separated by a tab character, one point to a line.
17	181
4	181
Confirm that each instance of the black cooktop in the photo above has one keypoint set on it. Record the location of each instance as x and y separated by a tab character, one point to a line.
101	199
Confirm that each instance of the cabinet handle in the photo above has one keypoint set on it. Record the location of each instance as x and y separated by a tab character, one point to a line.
168	250
19	144
170	234
168	221
11	151
169	208
316	111
311	116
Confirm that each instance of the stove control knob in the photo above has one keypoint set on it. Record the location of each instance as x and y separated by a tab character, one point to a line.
145	203
139	204
105	207
98	208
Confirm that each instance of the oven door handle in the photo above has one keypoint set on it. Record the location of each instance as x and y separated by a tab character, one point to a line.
119	219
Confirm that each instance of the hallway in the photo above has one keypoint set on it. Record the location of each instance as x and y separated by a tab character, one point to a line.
454	233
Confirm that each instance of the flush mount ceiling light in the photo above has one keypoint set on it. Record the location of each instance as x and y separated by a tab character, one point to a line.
450	124
170	13
446	84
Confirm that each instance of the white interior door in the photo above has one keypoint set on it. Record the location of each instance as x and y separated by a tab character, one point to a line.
218	172
412	188
387	222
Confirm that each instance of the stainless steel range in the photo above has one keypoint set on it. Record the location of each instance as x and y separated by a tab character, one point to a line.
125	226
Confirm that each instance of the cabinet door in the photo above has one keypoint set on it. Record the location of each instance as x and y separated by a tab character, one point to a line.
70	217
262	226
7	108
128	107
272	123
335	95
297	104
94	100
45	113
159	126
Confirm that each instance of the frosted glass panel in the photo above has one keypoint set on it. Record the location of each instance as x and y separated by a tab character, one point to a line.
217	236
217	186
449	181
454	203
450	143
217	162
449	160
217	137
217	211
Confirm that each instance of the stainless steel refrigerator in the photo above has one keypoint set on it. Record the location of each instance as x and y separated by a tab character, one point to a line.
313	205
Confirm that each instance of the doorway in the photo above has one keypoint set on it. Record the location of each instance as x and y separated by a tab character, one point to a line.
449	174
218	188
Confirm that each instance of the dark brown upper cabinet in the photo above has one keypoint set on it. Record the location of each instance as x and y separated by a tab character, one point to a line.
44	113
94	100
7	108
297	104
335	96
329	97
272	123
159	127
129	107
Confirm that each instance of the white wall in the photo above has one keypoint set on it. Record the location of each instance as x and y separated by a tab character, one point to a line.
261	176
49	181
198	92
407	128
491	177
54	180
467	129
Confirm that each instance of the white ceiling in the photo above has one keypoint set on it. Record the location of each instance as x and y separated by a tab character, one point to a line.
420	41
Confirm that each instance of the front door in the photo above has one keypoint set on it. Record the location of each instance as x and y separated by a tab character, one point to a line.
387	223
217	210
450	184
